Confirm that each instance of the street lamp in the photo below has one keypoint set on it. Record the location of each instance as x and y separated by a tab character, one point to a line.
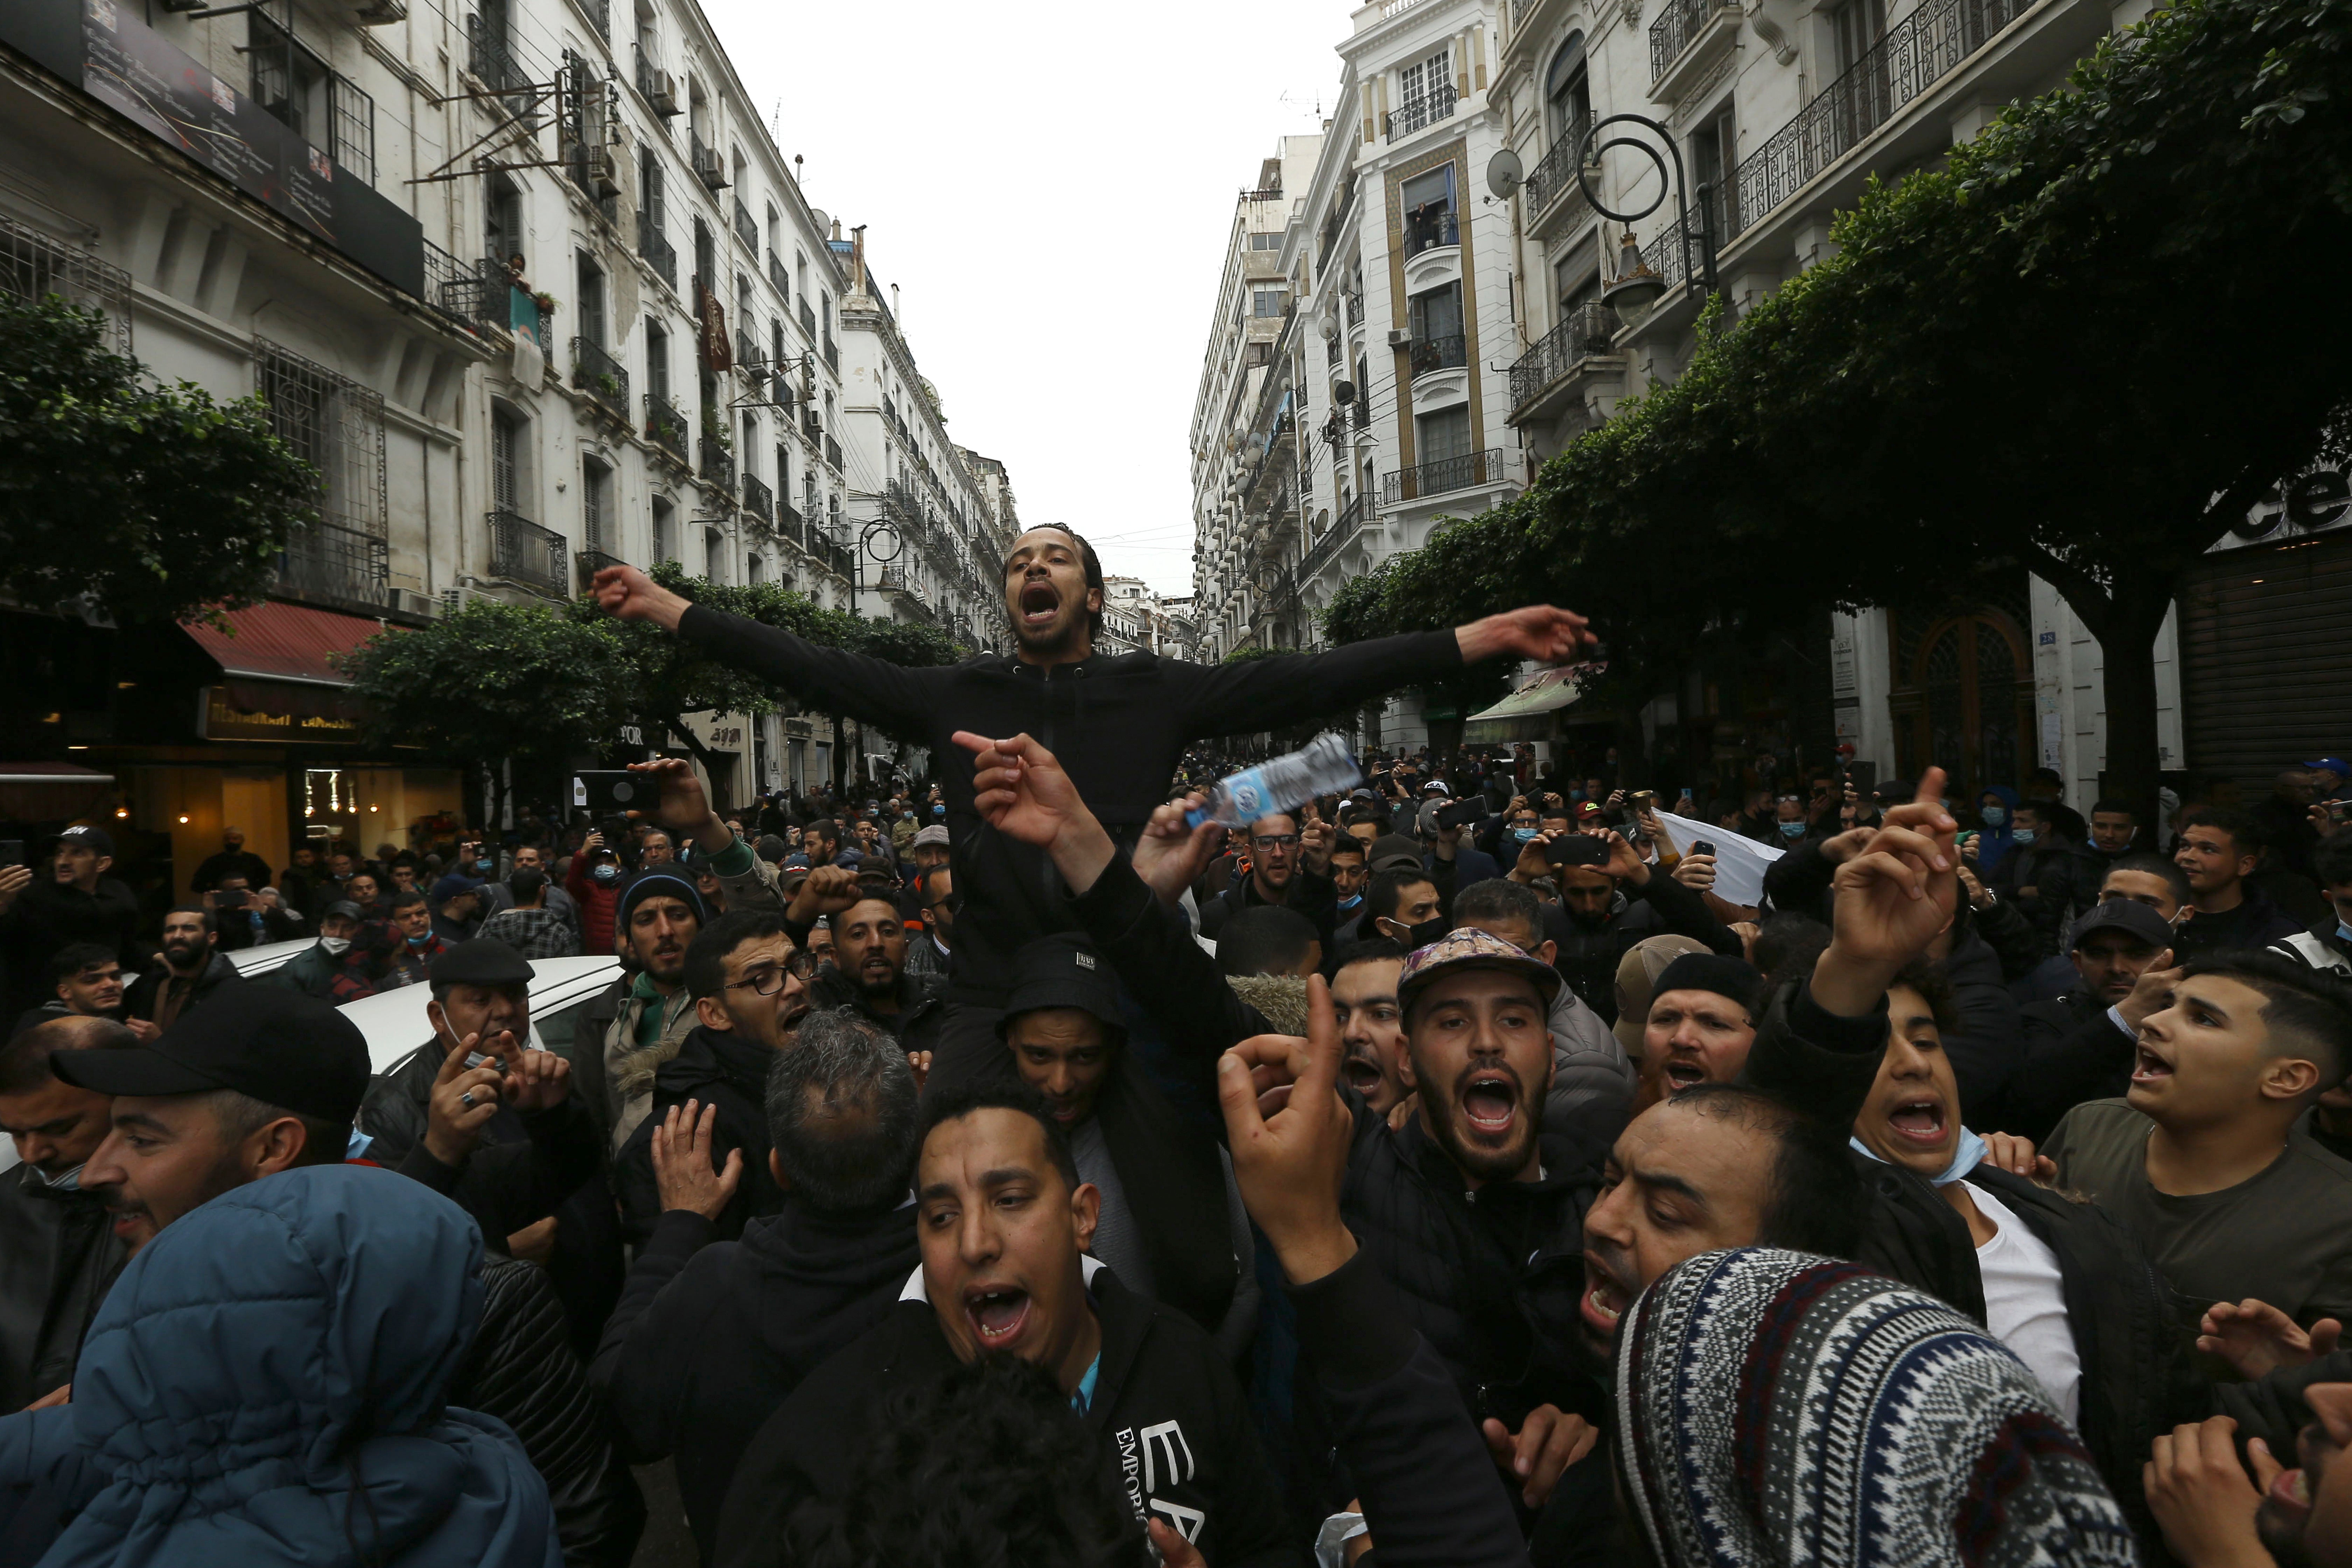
1636	285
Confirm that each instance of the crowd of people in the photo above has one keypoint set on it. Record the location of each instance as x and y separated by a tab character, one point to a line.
1473	1165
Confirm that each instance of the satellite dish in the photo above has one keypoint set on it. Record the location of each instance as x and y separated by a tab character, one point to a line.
1504	173
1330	328
1343	393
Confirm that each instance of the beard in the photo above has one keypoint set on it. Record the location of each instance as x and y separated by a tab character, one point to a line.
1442	1105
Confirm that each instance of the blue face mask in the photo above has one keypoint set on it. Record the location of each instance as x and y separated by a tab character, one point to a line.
1524	835
2342	931
1351	903
939	811
1994	815
2024	835
1966	1155
420	940
486	866
607	873
1793	830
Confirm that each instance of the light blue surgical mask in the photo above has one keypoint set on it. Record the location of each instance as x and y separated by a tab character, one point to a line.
1793	830
1966	1155
1346	904
420	940
1994	815
1524	835
2342	931
2024	835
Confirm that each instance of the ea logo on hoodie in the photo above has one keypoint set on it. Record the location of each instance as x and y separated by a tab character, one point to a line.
1164	1459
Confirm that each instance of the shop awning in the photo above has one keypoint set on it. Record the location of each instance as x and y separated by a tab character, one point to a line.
291	644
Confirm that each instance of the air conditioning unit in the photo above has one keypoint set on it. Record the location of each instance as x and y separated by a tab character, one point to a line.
709	170
410	602
663	97
603	172
1400	338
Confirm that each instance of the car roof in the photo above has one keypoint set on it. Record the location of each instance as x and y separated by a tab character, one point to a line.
269	955
393	1022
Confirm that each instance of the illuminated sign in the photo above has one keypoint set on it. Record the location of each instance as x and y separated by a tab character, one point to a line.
219	718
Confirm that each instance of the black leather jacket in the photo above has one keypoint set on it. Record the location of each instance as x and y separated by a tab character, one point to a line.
57	1255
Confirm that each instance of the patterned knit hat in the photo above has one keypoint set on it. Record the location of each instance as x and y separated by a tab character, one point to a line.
1778	1409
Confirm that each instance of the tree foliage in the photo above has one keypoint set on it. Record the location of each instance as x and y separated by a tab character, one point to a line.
158	501
2042	354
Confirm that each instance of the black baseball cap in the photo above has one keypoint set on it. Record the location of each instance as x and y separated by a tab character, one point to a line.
82	837
1063	970
281	1046
2137	920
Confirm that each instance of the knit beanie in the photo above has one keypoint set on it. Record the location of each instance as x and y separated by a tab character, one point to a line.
665	883
1734	978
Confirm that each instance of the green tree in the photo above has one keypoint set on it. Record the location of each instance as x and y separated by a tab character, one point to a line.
2035	356
158	502
495	680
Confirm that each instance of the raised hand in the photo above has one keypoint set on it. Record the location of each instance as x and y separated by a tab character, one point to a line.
683	1173
1314	840
629	594
2256	1338
1021	789
461	1104
1626	862
1547	1443
1290	1133
2199	1493
535	1081
2007	1151
14	879
1545	633
826	890
1891	901
1695	872
682	807
2152	992
1169	855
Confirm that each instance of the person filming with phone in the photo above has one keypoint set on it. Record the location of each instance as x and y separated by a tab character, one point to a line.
1610	899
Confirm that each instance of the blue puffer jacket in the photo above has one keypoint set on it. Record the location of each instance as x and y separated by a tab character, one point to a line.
280	1349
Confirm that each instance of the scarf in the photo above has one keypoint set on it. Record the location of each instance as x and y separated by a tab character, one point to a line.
1780	1409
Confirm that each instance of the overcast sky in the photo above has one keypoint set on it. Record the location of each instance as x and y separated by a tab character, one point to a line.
1050	185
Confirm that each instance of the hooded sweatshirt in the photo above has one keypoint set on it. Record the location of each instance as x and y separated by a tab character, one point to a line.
196	1438
1993	844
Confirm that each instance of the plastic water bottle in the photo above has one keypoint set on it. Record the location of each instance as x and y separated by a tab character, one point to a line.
1324	767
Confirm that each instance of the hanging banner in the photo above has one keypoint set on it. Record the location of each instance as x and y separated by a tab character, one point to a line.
711	318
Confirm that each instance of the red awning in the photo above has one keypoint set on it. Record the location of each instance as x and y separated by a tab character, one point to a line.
283	641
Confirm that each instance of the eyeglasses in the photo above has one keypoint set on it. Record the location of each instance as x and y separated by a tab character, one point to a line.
1273	840
766	981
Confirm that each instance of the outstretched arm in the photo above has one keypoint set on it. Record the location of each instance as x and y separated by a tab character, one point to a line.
862	687
1268	693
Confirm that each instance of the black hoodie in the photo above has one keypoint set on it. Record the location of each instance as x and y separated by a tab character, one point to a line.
1172	1419
709	1340
718	1068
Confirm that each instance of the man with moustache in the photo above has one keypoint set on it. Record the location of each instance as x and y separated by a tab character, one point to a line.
193	970
1125	719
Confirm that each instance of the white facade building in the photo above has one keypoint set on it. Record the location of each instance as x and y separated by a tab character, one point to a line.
529	281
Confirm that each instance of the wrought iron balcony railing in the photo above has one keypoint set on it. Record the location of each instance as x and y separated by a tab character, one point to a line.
1441	475
808	317
601	377
1677	24
833	454
758	498
776	276
523	552
746	230
1431	230
1344	527
718	462
1586	330
1428	111
659	253
1438	353
491	58
666	426
335	563
1554	175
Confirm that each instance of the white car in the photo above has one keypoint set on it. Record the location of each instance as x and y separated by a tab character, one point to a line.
394	1023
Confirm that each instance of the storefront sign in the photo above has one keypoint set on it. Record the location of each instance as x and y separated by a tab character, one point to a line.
218	719
2315	502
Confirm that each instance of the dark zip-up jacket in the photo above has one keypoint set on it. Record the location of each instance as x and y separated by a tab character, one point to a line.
2071	1053
140	997
711	1336
49	915
58	1253
1588	952
1119	723
2138	1380
715	1068
1163	1403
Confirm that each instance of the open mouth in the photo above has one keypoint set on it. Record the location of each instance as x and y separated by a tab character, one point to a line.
2290	1495
1918	1122
997	1314
1490	1102
1681	1073
1604	1300
2149	1068
1361	1075
1039	605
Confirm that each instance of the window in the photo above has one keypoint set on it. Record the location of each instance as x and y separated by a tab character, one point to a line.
1577	276
1427	86
705	256
657	359
506	460
591	302
1267	241
1568	90
1437	314
662	510
1427	204
595	503
337	426
1715	158
297	87
755	571
503	232
749	444
714	555
1444	435
1858	25
1268	300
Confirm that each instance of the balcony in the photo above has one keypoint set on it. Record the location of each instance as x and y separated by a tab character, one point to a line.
831	353
833	454
1442	475
1547	373
782	284
1423	113
522	551
665	427
747	355
601	377
1350	522
657	87
1430	230
1686	41
808	317
490	57
1554	198
466	291
1431	354
600	12
329	561
707	165
660	254
718	463
588	562
758	498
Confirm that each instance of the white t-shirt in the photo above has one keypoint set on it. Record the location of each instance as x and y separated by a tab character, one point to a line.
2025	1303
